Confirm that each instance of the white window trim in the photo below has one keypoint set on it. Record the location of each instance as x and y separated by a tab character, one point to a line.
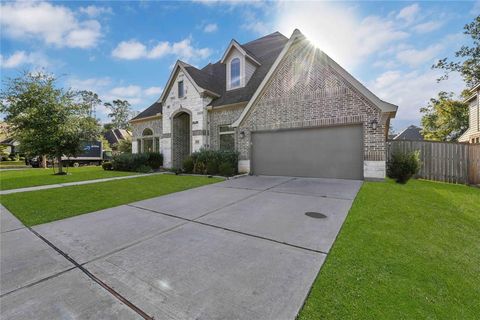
239	75
229	71
226	132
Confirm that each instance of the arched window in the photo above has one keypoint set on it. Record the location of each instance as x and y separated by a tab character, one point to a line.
147	132
235	73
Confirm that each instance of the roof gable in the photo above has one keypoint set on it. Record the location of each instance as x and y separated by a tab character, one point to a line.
211	78
298	36
234	44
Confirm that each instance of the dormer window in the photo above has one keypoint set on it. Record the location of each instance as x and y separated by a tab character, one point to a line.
235	73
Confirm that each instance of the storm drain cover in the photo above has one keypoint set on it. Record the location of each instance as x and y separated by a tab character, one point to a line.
316	215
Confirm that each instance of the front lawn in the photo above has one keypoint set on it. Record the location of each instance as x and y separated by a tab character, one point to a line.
38	177
36	207
12	164
405	252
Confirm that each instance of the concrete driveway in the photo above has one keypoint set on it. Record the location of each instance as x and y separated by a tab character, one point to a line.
239	249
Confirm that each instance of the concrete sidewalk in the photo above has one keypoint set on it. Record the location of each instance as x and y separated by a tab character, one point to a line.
76	183
37	282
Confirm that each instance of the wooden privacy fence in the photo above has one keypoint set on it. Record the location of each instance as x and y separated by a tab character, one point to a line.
443	161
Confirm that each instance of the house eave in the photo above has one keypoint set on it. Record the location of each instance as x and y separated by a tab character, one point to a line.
157	116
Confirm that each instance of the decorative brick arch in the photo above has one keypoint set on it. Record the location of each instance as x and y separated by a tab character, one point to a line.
181	136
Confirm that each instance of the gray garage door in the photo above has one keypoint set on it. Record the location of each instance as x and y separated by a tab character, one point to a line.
333	152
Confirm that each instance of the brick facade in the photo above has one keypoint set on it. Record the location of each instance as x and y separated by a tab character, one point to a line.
219	117
306	92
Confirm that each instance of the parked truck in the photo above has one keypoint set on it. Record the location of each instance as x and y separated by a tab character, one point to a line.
92	154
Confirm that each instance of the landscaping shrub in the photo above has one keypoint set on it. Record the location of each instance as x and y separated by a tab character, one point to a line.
155	160
402	166
107	165
144	169
208	161
188	165
226	169
137	161
212	166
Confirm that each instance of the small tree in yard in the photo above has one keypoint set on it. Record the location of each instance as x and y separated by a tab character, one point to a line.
444	118
402	166
47	120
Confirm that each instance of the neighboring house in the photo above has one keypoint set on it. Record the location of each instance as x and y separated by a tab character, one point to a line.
3	131
410	133
472	135
11	145
283	104
114	136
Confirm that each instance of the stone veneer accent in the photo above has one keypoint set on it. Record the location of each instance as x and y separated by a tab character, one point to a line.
139	126
220	117
303	94
181	138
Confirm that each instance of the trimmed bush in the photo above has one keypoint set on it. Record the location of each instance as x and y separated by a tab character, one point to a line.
155	160
212	166
188	165
402	166
208	161
136	161
144	169
107	165
226	169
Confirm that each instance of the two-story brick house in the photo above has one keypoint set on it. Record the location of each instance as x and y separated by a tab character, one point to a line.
287	107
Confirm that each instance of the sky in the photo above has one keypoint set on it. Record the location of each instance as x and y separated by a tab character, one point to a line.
126	49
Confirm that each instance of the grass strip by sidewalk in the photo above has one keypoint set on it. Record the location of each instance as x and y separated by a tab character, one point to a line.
37	207
38	177
405	252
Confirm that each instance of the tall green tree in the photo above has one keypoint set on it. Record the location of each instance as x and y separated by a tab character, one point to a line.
467	61
444	118
92	100
120	113
46	119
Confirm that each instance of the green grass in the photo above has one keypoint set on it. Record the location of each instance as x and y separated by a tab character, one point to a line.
38	177
9	164
36	207
405	252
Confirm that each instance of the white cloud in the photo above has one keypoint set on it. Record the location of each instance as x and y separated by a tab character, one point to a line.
412	90
129	50
339	30
427	26
183	49
94	11
19	58
16	59
211	27
109	90
414	57
252	23
409	13
476	8
52	24
153	91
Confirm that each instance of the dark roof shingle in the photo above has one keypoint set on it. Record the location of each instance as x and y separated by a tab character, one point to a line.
154	109
410	133
212	77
